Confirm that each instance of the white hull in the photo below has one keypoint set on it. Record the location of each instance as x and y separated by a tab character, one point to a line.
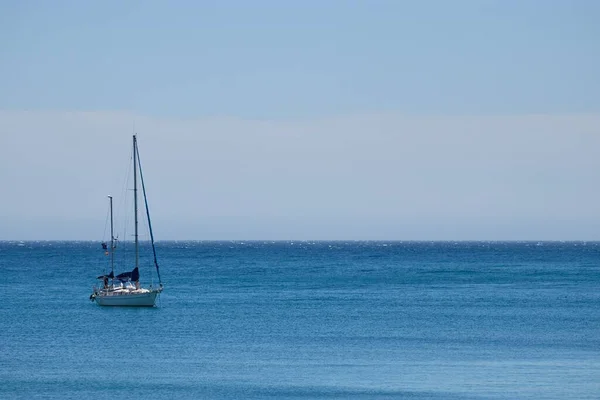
143	298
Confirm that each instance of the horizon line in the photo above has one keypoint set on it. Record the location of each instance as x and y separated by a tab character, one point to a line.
320	240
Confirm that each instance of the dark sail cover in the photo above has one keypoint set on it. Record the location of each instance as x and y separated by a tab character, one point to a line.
124	277
109	276
127	276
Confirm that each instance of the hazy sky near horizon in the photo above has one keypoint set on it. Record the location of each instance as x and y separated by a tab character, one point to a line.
426	120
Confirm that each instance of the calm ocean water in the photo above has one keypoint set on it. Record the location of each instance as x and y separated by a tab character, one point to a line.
344	320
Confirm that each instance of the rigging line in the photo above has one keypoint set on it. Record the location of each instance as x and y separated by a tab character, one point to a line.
120	214
148	214
122	181
124	203
146	236
106	224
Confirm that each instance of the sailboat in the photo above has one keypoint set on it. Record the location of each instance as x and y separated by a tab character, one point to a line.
124	289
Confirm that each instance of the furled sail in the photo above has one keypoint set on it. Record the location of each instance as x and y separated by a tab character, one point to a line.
129	276
109	276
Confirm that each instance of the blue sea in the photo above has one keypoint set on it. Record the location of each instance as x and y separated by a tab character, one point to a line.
306	320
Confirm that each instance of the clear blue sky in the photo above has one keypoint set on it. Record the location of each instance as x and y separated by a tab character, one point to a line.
305	119
285	59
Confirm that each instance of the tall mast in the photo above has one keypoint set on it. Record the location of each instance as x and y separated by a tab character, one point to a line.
112	240
135	206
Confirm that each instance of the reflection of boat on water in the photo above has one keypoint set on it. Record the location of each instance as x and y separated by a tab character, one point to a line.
125	289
